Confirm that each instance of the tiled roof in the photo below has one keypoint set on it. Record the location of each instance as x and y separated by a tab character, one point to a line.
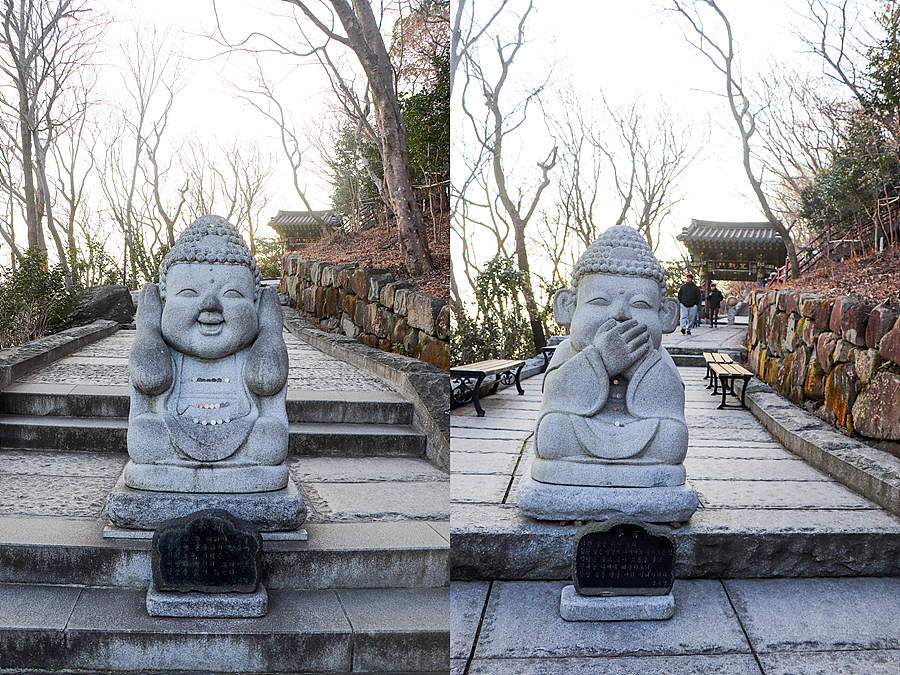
710	232
294	219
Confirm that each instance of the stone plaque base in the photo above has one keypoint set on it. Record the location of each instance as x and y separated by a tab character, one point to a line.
276	511
207	605
546	501
574	607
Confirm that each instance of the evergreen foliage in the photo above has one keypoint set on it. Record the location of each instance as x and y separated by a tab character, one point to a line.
31	298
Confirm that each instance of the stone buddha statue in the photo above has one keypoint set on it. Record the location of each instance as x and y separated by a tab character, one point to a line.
208	372
611	436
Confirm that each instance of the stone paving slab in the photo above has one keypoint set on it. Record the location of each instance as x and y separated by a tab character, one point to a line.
800	615
468	600
696	664
522	621
374	469
786	626
841	662
75	485
345	502
706	338
780	494
753	469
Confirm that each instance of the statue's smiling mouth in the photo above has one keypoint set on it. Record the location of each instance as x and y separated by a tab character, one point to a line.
211	328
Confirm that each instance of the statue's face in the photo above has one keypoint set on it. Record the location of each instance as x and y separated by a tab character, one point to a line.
209	310
604	296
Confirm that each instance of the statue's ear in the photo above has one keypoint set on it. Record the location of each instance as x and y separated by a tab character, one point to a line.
563	306
668	314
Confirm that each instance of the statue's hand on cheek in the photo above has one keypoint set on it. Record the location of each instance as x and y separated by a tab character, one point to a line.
622	344
267	363
150	362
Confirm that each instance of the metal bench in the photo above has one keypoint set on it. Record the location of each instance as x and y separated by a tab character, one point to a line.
726	374
464	392
713	357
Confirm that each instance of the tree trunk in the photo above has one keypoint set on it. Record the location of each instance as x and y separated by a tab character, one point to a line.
35	231
365	39
537	328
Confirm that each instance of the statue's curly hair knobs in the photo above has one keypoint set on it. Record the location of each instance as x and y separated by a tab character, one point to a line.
190	248
620	250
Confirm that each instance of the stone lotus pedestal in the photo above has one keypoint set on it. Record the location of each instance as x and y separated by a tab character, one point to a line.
546	501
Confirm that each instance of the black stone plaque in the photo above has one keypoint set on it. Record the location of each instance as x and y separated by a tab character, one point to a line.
623	556
209	551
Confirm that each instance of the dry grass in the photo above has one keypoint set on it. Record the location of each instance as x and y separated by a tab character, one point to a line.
873	278
379	247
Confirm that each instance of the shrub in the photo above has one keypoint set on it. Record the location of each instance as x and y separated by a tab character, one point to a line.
31	298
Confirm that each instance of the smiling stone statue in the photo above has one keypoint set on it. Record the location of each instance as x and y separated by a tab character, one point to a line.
209	372
611	436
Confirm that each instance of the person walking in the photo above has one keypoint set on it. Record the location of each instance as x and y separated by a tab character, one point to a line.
689	297
714	301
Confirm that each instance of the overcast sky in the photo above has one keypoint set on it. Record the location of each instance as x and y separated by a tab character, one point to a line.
208	107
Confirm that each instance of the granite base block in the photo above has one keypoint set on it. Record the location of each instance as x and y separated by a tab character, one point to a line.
207	605
546	501
277	511
574	607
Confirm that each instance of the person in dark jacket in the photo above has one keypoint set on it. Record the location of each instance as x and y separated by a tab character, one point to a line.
714	301
689	297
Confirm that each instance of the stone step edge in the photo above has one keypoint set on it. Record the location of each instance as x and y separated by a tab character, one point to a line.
53	550
493	541
18	361
424	385
873	473
114	402
119	423
69	629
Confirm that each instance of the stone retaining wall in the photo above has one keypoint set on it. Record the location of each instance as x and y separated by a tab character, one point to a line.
835	356
370	306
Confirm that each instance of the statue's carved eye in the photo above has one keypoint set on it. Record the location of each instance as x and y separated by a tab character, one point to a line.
187	293
601	300
640	304
231	293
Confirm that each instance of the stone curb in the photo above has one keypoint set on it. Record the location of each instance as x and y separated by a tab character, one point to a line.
17	361
426	386
872	473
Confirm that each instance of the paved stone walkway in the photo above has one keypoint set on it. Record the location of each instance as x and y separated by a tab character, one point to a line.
747	481
105	362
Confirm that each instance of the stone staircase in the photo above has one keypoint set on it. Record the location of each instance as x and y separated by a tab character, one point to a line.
366	592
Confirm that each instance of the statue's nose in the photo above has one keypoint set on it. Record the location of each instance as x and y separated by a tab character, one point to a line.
210	303
621	311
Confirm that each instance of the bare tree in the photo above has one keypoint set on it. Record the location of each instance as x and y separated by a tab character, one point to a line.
42	46
845	42
363	36
152	77
491	131
721	54
800	127
466	33
264	99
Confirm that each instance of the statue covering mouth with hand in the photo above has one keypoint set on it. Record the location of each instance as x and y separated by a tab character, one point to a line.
611	436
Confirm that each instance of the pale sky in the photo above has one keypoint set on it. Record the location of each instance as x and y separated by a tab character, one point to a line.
630	49
207	106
